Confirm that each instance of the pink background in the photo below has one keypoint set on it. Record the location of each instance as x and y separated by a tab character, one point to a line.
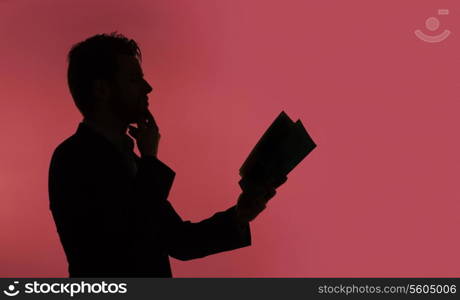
378	197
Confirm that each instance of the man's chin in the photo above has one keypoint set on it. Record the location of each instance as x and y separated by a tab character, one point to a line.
135	119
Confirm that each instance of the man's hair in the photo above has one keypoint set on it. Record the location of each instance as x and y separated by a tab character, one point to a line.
95	58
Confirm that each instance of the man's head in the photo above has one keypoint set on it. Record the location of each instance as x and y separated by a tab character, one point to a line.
104	76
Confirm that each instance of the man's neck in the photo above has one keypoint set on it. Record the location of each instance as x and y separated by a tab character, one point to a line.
110	127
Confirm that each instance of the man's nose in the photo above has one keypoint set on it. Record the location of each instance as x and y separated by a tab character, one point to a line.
148	87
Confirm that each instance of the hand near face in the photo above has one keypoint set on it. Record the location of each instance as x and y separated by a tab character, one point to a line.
146	134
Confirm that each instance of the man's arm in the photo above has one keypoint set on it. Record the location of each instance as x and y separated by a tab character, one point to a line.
221	232
185	240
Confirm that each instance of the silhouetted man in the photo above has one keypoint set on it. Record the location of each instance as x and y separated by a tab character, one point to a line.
110	206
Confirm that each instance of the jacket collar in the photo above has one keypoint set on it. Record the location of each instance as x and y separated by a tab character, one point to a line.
123	143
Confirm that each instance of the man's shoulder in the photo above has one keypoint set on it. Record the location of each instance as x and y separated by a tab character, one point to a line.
78	159
71	146
79	148
84	151
81	144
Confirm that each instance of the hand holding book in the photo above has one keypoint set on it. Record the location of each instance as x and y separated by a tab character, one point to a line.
280	149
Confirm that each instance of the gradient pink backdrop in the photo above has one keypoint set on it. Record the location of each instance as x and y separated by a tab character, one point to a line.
378	197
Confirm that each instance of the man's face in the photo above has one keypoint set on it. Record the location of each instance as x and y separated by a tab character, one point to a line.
129	89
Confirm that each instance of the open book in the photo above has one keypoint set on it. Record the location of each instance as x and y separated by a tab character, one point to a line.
282	147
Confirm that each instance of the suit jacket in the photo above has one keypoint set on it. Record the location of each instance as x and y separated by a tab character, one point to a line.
112	224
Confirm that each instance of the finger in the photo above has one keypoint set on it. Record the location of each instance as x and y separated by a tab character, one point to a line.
133	131
262	196
258	203
259	190
141	124
279	181
256	208
253	204
250	213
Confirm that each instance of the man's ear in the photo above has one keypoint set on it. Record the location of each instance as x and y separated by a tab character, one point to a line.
101	89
